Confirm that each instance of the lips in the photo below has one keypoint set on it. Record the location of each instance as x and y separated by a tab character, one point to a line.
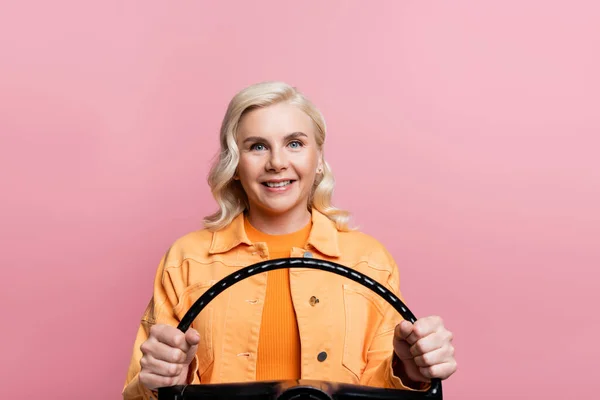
278	183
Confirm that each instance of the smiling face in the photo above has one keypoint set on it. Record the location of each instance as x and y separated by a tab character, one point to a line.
279	159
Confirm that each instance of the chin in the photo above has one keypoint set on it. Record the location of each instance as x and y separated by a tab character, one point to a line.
278	209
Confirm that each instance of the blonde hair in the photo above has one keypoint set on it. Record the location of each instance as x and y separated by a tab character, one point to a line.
228	192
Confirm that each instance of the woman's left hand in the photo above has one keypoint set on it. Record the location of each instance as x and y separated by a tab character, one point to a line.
425	349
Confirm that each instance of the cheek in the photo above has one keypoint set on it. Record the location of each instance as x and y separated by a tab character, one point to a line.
308	164
246	171
308	172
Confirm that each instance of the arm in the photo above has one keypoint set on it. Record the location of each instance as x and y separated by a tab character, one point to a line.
158	312
383	368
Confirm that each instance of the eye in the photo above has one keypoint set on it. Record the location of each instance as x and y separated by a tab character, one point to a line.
258	146
296	144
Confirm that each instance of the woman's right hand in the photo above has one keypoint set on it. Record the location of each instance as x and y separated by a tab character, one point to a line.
167	354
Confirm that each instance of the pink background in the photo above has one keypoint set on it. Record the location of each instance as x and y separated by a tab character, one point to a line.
465	135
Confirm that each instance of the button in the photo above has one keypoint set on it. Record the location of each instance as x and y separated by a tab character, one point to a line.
313	301
322	356
307	254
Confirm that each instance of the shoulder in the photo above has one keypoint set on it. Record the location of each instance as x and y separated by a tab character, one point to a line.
366	249
357	242
192	245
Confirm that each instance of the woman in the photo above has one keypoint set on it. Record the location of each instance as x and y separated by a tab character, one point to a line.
274	189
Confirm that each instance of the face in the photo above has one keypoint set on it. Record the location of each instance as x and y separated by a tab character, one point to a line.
279	158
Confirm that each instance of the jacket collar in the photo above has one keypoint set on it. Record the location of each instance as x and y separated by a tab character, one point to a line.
323	235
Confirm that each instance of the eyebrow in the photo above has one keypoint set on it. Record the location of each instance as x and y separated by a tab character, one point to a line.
293	135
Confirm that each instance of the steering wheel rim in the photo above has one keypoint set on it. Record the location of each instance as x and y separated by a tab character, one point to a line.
178	392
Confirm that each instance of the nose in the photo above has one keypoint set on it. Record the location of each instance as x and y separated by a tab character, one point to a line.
277	160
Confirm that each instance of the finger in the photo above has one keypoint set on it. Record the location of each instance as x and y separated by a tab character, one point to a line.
160	367
403	330
153	381
424	327
441	371
164	352
430	343
170	336
434	357
192	337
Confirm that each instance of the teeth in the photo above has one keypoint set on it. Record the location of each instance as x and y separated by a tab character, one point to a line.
277	184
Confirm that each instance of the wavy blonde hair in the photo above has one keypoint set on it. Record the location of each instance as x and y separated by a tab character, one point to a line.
228	192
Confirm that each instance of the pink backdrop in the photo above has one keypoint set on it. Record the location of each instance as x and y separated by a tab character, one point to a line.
464	135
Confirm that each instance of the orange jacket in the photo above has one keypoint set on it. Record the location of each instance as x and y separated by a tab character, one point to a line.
351	325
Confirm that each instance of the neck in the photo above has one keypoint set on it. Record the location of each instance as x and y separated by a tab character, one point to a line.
279	224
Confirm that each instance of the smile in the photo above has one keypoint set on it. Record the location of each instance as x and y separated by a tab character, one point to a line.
277	184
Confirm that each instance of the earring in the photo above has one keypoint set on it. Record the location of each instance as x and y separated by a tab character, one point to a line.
319	170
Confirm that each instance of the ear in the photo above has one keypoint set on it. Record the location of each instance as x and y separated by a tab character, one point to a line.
321	163
320	166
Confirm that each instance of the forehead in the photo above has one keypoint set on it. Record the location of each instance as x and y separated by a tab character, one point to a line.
274	121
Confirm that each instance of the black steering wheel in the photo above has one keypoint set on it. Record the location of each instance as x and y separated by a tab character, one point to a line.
293	389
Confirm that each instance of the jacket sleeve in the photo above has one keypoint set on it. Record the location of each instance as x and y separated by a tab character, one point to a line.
158	311
380	356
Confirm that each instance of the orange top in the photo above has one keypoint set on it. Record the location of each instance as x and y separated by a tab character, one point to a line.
345	329
278	355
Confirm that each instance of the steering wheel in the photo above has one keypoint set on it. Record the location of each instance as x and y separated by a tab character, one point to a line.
293	389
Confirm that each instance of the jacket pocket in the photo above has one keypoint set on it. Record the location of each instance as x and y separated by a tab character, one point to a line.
203	322
363	314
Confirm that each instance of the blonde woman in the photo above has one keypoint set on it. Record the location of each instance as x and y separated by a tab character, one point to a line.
273	188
